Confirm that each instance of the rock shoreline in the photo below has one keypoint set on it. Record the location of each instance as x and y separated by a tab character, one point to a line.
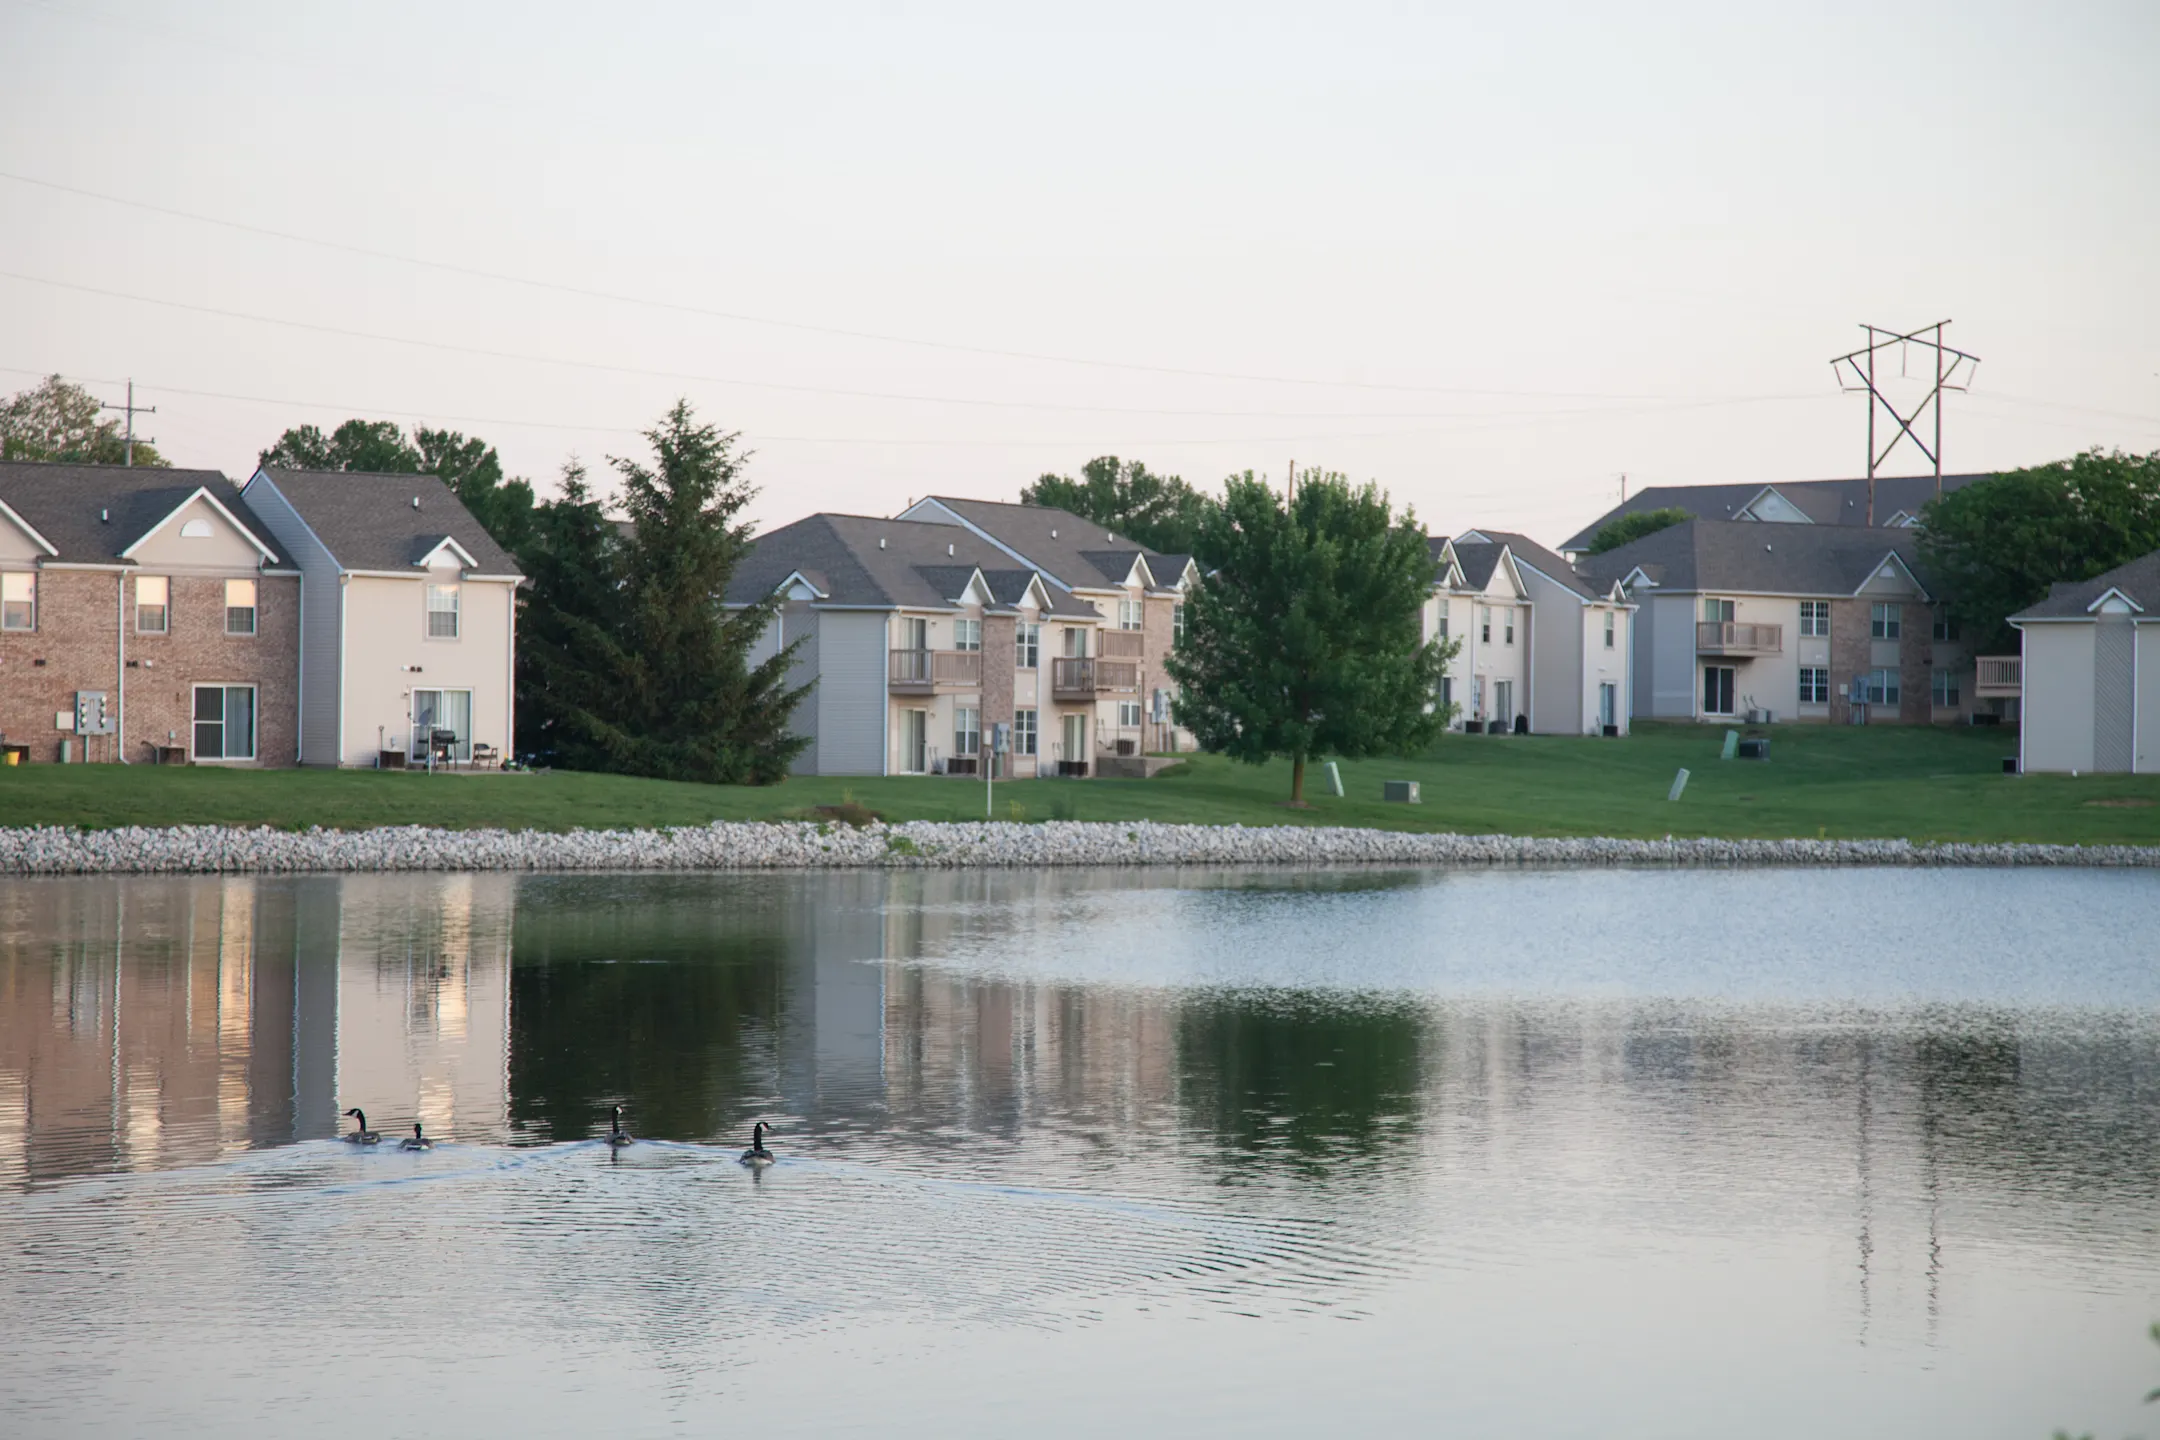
765	845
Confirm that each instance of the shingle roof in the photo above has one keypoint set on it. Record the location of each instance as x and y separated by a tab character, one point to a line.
369	521
921	565
64	503
1826	502
1750	557
1070	548
1553	567
2073	599
1477	560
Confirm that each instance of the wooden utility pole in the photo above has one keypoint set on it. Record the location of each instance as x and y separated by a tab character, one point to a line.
132	410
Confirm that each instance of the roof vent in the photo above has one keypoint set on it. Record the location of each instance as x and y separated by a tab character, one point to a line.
948	548
1112	539
1766	548
104	517
1053	534
415	502
880	542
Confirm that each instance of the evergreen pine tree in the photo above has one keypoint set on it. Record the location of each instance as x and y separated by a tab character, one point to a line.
660	683
568	556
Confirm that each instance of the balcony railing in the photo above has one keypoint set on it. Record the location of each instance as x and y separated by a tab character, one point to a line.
1089	677
1735	637
1121	645
924	671
1999	677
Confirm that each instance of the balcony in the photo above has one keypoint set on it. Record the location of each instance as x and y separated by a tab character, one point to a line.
1739	638
1999	677
1121	645
933	672
1085	678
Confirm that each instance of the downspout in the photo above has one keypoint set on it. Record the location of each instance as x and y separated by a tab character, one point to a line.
510	672
344	580
300	680
120	676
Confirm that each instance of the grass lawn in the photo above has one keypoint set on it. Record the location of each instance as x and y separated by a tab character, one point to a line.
1924	784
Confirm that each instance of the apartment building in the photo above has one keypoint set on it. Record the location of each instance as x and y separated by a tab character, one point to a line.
1576	680
1479	598
2091	673
1886	502
144	617
1139	593
1789	621
918	637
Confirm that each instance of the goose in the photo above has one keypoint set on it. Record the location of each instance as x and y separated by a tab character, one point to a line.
418	1141
757	1154
362	1135
616	1136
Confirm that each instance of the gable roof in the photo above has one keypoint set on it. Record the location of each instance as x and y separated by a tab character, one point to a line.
921	565
1553	567
1071	549
96	514
2137	582
1824	502
369	521
1477	559
1747	556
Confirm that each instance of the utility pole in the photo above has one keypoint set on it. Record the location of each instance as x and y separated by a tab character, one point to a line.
1290	484
1623	487
1861	367
132	410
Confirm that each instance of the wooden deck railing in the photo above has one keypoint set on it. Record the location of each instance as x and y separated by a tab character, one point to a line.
1087	677
1736	637
1998	676
932	669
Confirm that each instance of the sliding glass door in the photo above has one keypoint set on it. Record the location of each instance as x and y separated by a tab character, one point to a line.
434	710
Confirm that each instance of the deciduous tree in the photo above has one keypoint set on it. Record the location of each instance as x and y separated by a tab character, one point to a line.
466	464
1619	532
1303	638
1994	547
58	420
1160	512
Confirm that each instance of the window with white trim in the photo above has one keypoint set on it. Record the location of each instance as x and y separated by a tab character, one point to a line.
1609	619
1946	629
240	607
1717	689
1177	623
1027	647
1128	614
153	605
1507	623
1128	714
1886	620
1719	611
1443	622
967	730
442	612
1024	732
1879	687
1484	624
1814	685
1815	618
1944	690
18	600
967	634
224	721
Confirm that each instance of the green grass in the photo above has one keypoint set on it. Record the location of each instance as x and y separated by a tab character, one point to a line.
1925	784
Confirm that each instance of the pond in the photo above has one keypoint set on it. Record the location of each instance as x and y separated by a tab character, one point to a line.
1636	1153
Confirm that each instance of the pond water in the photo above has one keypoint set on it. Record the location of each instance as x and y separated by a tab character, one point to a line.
1774	1153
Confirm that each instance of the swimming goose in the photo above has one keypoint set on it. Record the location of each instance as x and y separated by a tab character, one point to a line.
417	1141
616	1136
361	1135
757	1154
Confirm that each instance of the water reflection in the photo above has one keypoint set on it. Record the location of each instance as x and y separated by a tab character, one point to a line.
1018	1100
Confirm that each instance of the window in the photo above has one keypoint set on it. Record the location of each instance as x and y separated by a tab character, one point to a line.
1885	622
1484	621
153	607
1128	714
1814	685
1177	623
442	612
1879	687
1443	622
1608	704
1507	619
1945	690
1075	643
1945	629
1027	641
1504	701
967	634
1128	614
1720	611
1609	619
1074	744
239	607
18	601
915	741
224	722
449	710
1717	689
1023	732
966	730
1447	691
1815	618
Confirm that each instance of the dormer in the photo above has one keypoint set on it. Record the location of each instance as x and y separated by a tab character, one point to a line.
445	554
198	533
1769	506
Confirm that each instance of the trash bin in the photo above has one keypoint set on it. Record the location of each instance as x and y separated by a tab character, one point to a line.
2010	765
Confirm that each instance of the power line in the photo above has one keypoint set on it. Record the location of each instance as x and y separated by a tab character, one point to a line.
977	402
739	317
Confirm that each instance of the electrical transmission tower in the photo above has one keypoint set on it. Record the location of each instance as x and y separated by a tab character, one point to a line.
1856	372
132	410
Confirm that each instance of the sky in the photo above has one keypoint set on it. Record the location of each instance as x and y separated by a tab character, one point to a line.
1494	258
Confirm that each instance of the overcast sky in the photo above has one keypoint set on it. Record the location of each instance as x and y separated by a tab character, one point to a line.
1493	257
